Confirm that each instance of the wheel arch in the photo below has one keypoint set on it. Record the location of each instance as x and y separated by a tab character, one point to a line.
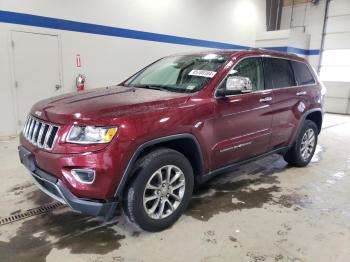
186	144
311	114
317	117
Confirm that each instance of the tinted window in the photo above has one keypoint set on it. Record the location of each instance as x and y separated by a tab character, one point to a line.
251	68
278	73
302	73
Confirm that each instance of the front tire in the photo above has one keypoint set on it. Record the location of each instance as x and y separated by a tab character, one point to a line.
161	189
301	153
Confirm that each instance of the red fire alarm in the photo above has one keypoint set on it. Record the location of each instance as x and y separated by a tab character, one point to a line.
78	61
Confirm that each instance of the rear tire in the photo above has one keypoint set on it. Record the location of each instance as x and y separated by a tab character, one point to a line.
301	153
161	189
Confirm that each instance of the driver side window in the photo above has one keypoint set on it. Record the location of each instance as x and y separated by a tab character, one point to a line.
251	68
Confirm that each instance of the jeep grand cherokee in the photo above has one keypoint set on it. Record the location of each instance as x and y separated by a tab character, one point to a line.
178	122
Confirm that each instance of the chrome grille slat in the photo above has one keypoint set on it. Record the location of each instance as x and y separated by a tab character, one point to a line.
46	128
40	133
28	125
48	133
34	131
31	130
25	125
37	132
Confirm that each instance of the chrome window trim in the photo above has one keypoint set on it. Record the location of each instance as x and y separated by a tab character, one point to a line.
266	90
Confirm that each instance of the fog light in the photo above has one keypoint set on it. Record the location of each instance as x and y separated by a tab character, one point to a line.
85	176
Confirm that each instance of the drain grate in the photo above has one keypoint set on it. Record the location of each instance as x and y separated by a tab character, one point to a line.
31	212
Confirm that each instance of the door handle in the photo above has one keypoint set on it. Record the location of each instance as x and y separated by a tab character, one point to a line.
303	93
265	99
58	87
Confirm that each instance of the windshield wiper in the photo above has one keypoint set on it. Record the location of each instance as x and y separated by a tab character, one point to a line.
155	87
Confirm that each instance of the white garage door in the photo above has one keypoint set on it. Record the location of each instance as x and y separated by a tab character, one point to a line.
335	64
36	70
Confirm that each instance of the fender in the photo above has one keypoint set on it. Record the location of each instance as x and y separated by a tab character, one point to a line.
127	172
296	134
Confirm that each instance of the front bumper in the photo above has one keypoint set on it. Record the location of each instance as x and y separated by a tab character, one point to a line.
54	187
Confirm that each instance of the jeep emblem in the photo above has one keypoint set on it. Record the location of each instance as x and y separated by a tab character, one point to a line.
38	113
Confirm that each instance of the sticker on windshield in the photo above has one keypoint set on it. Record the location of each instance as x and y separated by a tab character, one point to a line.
203	73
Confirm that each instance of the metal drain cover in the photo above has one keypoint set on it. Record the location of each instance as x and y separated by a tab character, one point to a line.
31	212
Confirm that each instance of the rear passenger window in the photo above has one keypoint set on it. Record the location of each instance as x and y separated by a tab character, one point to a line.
278	73
302	73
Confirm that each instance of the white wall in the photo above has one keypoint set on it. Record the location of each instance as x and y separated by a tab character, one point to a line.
309	18
7	110
289	38
272	38
108	60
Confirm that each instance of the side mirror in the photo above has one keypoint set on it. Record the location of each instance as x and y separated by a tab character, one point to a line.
236	85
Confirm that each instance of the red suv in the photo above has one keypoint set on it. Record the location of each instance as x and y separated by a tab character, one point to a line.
176	123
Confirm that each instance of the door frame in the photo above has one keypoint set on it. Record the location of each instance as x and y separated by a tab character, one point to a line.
14	89
268	92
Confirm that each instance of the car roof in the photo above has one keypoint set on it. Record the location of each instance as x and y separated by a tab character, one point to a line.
251	51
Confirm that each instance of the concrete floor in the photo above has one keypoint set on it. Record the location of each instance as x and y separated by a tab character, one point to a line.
269	212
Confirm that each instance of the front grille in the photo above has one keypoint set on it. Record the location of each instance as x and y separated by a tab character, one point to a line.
40	133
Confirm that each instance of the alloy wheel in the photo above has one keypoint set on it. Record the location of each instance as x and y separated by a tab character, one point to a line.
164	192
307	144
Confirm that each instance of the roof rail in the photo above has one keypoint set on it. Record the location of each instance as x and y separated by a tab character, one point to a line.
256	48
272	51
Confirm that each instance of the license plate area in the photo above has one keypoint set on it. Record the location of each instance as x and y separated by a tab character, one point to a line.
27	158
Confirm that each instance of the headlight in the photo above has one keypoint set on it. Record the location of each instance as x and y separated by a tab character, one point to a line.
91	134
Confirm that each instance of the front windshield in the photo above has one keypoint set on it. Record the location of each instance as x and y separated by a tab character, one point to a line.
186	73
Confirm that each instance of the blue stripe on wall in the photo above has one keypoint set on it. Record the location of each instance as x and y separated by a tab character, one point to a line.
295	50
61	24
54	23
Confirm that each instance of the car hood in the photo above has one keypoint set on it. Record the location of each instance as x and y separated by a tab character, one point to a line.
105	103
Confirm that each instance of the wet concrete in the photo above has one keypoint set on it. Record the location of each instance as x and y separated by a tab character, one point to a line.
38	198
263	211
220	195
67	230
29	191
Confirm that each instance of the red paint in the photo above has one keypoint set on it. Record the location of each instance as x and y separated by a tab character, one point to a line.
217	123
80	88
